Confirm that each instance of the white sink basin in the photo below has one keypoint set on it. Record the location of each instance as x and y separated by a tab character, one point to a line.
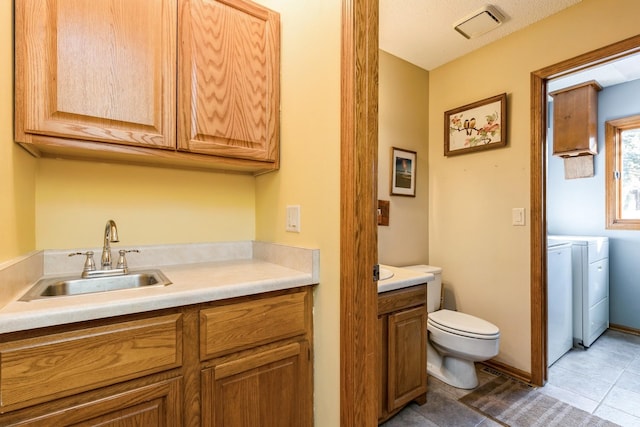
385	274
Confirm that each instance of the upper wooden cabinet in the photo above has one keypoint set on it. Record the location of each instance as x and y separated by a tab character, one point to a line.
229	56
575	120
193	84
95	71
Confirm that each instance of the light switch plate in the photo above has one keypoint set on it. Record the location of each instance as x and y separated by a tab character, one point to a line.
293	218
517	216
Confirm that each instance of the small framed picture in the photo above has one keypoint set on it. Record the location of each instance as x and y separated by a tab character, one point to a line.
478	126
403	172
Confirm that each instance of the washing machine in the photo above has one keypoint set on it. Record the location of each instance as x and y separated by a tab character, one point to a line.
559	300
590	271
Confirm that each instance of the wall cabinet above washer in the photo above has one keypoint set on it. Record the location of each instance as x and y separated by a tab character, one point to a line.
575	120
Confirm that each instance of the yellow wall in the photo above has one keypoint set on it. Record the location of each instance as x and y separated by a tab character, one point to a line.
403	116
150	205
310	173
17	181
486	259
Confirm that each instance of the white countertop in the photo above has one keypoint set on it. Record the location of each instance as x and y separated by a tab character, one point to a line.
402	278
191	284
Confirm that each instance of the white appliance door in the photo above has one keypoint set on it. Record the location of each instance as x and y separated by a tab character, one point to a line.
559	302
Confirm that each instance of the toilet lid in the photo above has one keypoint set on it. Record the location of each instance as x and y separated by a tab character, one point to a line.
463	324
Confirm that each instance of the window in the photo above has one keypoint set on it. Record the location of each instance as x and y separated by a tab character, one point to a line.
622	139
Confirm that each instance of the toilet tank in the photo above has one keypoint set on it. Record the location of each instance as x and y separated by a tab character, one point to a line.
434	288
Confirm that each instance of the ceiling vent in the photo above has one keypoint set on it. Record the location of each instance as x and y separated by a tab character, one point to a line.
479	22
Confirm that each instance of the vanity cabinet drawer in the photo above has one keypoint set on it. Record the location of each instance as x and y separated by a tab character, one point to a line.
239	326
48	367
401	299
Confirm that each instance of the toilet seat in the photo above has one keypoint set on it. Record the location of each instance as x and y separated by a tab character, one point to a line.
463	324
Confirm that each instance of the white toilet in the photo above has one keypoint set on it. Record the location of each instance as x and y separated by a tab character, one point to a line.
456	340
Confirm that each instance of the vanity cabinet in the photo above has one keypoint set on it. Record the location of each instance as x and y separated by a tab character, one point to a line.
575	120
402	331
244	361
194	84
52	378
257	362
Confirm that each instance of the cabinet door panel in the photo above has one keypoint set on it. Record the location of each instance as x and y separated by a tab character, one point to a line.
96	71
268	389
407	356
575	119
229	73
382	367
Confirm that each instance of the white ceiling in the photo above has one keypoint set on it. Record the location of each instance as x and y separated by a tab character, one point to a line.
608	74
421	31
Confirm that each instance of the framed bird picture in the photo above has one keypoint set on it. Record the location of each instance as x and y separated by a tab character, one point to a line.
478	126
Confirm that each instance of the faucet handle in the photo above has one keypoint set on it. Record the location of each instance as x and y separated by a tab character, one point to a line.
122	260
89	264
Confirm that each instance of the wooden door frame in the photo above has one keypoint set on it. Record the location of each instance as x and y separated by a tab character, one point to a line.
358	198
539	188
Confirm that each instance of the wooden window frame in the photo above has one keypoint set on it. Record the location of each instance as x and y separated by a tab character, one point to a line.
612	135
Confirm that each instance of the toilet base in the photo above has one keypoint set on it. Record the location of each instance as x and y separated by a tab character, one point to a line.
456	372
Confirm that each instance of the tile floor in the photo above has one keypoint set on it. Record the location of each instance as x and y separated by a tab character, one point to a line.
603	380
442	408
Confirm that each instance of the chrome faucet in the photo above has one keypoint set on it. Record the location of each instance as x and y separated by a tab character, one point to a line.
110	236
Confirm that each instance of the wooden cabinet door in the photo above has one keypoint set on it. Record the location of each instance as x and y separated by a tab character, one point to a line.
407	357
229	73
157	404
382	368
270	388
575	119
91	70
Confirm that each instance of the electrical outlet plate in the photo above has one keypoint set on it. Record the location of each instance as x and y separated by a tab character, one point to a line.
293	219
